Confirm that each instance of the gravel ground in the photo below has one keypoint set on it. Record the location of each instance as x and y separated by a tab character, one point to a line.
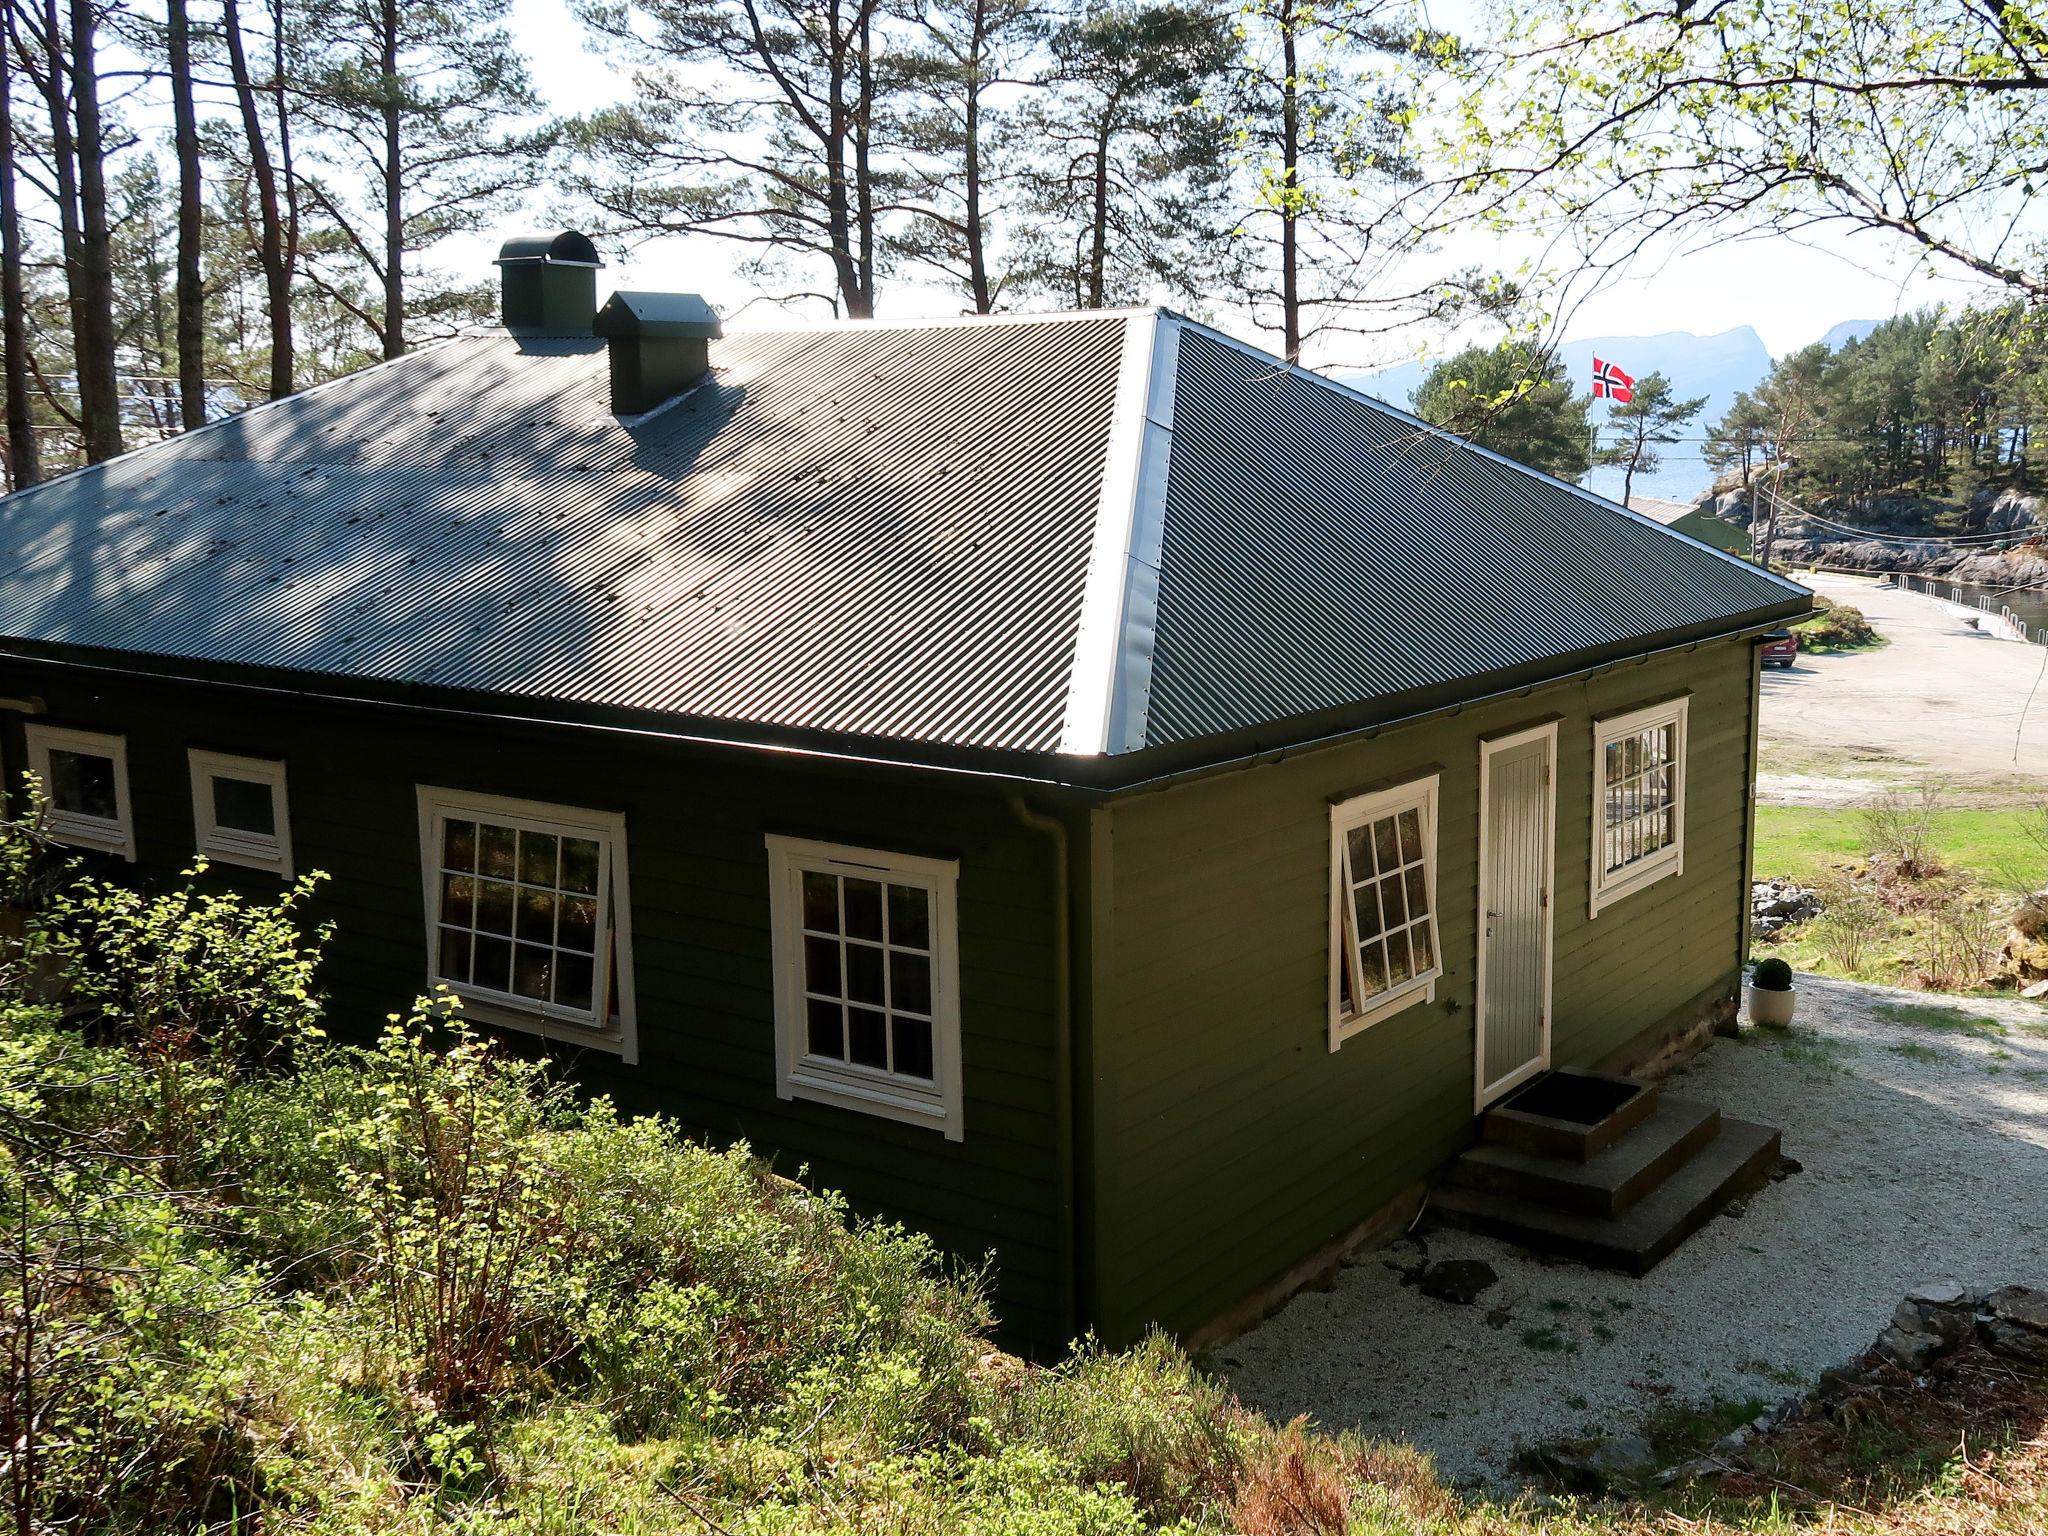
1969	722
1926	1158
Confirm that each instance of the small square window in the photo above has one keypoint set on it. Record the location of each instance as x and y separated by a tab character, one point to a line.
238	811
866	1013
84	775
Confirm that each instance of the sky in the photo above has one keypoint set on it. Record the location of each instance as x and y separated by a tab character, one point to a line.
1791	291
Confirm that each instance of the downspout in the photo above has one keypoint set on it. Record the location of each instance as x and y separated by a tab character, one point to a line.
1063	1049
1756	709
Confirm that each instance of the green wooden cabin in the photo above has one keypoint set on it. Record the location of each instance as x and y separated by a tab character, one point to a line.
1077	784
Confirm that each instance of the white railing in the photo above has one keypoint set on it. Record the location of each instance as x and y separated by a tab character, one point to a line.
1986	613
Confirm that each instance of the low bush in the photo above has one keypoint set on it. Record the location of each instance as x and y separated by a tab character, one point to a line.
1837	627
257	1280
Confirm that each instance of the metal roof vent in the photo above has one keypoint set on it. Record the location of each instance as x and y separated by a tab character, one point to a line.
660	344
549	282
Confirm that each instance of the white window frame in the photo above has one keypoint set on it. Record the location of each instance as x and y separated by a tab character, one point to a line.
614	916
1419	795
799	1075
73	828
1608	887
232	845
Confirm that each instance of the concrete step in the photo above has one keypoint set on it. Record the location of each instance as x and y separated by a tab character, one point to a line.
1638	1239
1607	1183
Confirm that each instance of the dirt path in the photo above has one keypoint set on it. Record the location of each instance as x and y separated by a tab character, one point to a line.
1942	701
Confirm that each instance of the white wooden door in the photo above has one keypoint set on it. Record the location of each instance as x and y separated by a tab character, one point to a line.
1517	845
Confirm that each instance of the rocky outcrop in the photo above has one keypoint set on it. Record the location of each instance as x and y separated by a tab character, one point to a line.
1928	1325
1776	904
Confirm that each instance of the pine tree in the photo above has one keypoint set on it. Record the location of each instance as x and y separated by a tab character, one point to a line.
24	457
1323	156
424	102
755	121
1652	419
959	57
1515	400
1128	180
191	287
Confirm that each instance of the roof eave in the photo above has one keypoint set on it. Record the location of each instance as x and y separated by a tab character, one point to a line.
1092	775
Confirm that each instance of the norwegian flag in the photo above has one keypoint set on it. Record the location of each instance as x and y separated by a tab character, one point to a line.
1610	383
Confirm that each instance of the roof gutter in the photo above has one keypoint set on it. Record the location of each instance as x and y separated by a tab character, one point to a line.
1089	777
1752	628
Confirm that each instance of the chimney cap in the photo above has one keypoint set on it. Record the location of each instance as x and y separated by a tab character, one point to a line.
564	248
657	314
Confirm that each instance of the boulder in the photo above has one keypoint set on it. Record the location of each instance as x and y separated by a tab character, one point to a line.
2020	1304
2013	1341
1458	1281
1773	904
1910	1350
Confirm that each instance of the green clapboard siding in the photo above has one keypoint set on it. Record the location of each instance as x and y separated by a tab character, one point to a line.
700	928
1228	1142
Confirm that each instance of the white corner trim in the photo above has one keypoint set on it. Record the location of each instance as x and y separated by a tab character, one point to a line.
1109	694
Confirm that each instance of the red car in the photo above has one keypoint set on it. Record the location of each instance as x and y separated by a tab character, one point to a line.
1781	648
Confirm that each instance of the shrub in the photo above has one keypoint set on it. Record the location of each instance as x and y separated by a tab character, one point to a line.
1836	627
1898	834
1851	920
1771	975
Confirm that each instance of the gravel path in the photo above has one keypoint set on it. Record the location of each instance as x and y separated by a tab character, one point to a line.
1925	1148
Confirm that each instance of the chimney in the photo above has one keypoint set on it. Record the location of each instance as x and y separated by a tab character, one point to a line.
549	283
659	344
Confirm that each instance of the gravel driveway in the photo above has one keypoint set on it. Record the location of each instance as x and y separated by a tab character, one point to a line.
1942	700
1925	1148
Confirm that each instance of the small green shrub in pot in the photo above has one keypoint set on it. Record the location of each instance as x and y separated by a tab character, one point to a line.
1769	997
1772	975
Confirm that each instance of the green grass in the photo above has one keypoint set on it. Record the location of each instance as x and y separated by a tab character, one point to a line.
1802	842
1913	1050
1940	1016
1808	1048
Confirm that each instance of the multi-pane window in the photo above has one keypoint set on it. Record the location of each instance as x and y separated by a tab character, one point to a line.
85	777
1638	799
526	909
866	1015
1384	952
238	811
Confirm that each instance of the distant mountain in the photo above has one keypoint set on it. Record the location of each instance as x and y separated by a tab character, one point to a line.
1848	331
1719	367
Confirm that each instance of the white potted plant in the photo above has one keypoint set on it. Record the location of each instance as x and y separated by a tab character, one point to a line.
1769	996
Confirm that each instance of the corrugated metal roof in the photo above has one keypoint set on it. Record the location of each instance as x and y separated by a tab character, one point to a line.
1659	509
1093	535
877	531
1319	548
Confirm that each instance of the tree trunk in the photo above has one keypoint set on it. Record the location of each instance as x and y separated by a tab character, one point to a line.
394	186
1290	213
970	190
24	461
1096	294
277	278
92	280
191	290
863	170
